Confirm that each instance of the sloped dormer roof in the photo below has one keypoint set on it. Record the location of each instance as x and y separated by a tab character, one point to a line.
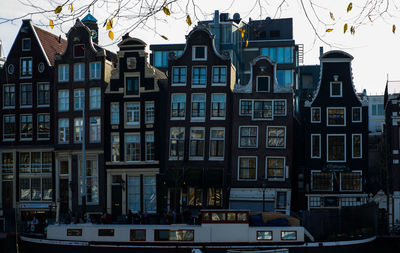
89	17
51	43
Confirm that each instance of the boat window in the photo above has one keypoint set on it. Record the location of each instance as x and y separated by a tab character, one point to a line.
74	232
174	235
206	216
106	232
242	217
231	216
288	235
138	235
264	235
218	217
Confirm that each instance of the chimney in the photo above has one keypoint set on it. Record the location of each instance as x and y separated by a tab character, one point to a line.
321	51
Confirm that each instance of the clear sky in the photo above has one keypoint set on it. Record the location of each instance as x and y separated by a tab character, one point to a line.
376	50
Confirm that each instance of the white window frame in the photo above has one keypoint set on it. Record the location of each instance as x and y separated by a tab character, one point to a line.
361	178
114	120
238	169
269	83
9	106
263	100
95	98
194	58
198	85
113	134
149	108
40	84
126	147
184	107
212	101
352	146
65	98
198	119
352	114
284	139
172	76
311	179
327	115
97	129
145	146
63	72
327	148
203	139
311	115
15	127
21	69
20	128
169	143
80	99
20	95
341	90
37	127
136	108
285	173
96	179
240	136
81	130
212	75
240	108
67	137
97	70
223	145
273	107
311	146
79	76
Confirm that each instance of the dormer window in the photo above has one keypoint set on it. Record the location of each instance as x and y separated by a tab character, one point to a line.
336	89
199	53
26	44
262	83
79	50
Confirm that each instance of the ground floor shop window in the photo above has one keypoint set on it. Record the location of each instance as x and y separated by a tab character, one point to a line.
35	189
214	197
92	182
139	189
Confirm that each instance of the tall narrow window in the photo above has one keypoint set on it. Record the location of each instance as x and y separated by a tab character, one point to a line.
132	85
315	146
150	152
356	114
315	115
196	150
217	143
246	108
275	168
218	102
43	97
199	76
247	168
219	75
132	114
26	127
63	100
95	132
149	198
132	148
149	112
95	70
276	137
92	182
26	67
63	73
26	94
179	75
78	130
95	98
115	150
357	145
279	107
176	143
9	95
79	72
63	130
178	105
43	126
198	106
134	193
114	113
336	89
9	127
79	98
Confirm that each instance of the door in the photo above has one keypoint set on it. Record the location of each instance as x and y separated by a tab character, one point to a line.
7	194
175	199
64	195
116	200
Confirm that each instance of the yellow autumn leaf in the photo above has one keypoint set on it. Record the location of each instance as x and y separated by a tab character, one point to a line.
165	38
109	24
246	43
58	9
349	7
111	35
71	7
352	30
51	24
166	10
329	30
345	28
242	31
332	17
188	20
394	29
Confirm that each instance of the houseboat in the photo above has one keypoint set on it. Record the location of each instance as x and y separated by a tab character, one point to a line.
220	231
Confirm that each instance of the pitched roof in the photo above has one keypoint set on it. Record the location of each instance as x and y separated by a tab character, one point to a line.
89	17
51	43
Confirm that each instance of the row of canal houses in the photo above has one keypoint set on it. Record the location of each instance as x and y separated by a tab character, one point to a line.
216	122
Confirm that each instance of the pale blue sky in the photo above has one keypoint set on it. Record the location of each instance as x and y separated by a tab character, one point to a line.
375	48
